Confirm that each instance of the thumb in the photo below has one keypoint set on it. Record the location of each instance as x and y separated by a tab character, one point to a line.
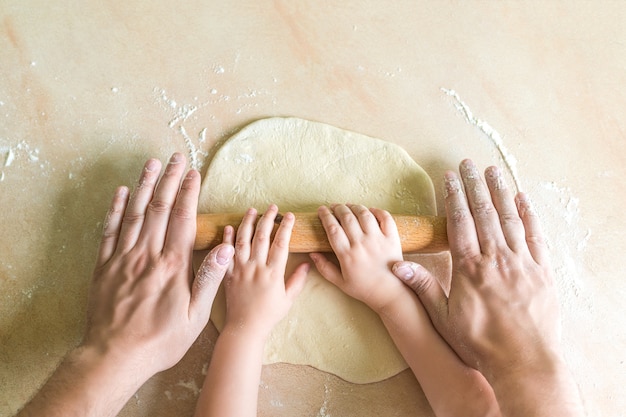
295	283
427	288
208	280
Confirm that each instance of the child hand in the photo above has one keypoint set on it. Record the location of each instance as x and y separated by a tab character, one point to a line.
257	295
367	244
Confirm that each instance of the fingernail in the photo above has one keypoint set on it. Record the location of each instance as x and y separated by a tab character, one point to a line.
469	170
224	255
452	185
525	206
494	175
176	158
152	165
404	271
191	175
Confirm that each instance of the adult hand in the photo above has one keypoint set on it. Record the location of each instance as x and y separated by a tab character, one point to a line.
501	315
145	303
145	307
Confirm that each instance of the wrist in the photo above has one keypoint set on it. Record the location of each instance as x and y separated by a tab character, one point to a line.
87	382
104	363
393	302
543	387
253	336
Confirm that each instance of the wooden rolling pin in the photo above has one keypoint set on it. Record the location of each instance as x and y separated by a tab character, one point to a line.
423	234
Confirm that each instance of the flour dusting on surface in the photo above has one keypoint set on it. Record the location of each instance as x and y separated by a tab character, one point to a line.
179	114
9	154
323	412
509	160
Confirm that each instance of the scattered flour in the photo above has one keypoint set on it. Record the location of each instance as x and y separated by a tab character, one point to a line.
509	160
180	113
20	151
190	385
323	412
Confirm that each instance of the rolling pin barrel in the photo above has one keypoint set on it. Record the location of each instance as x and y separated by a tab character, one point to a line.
418	234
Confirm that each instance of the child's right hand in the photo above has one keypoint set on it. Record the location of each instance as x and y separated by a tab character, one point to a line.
257	295
367	244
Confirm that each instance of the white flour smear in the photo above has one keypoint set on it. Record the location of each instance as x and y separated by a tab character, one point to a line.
179	114
9	154
509	160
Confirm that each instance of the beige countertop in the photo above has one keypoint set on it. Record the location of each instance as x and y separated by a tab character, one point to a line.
89	90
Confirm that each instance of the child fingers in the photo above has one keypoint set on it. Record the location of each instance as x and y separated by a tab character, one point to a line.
335	233
366	219
348	221
244	235
297	280
327	269
135	213
386	223
112	226
263	234
279	251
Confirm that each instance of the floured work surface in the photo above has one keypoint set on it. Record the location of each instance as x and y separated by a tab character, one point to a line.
300	165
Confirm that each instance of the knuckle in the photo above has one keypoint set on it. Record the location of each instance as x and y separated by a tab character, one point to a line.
483	209
182	213
334	230
133	218
261	238
159	206
459	215
536	240
420	284
109	236
241	245
281	243
510	218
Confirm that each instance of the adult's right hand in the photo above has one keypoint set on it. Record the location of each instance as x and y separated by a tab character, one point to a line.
501	315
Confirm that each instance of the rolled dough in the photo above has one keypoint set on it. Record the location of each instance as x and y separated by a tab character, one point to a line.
300	165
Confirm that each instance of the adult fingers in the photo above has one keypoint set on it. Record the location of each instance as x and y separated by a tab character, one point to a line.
336	235
112	225
488	228
279	250
504	203
462	235
263	234
244	235
161	206
327	269
428	290
533	232
135	213
180	227
207	281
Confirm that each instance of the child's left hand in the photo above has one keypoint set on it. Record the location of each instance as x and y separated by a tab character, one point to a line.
367	244
257	295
